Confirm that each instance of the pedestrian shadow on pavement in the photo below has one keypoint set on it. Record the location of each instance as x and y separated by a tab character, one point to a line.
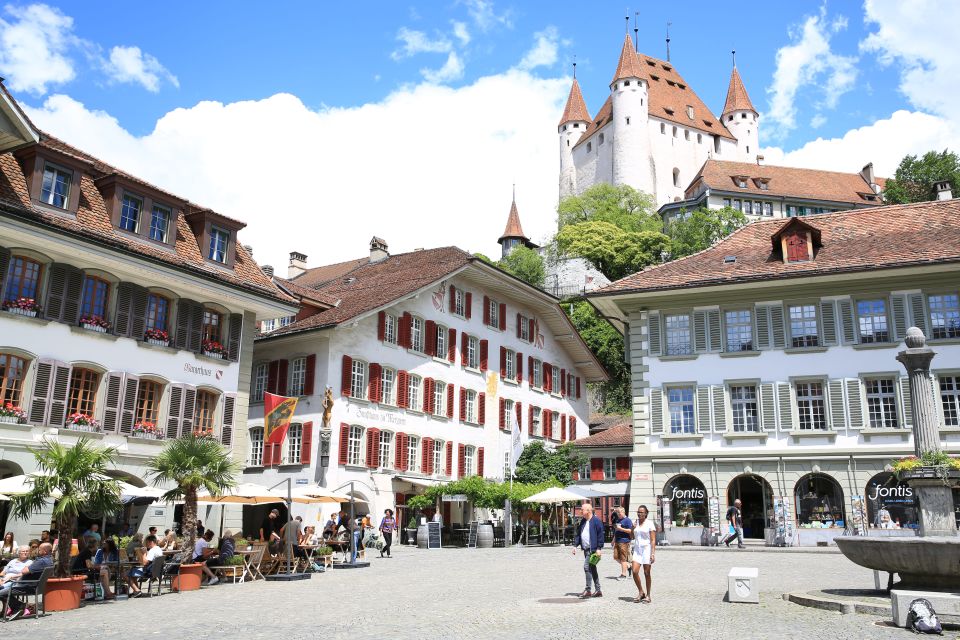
570	598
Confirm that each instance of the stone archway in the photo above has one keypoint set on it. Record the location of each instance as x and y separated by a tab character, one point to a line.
819	501
756	497
8	469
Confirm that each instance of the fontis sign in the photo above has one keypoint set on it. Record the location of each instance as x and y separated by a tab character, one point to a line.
891	492
688	494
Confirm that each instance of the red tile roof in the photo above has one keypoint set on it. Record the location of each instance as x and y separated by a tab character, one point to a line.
576	109
857	240
318	276
513	228
318	298
628	66
620	435
737	98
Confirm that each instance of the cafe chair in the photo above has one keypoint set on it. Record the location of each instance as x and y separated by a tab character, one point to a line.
35	588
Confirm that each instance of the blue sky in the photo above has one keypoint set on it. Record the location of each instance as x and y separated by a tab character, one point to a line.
415	118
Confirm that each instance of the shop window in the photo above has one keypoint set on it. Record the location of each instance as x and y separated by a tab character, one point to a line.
148	402
680	404
298	376
386	449
413	454
203	415
293	443
881	402
388	378
260	374
950	399
687	498
810	405
23	280
93	303
256	447
12	370
803	326
739	330
678	335
439	399
819	501
872	320
945	316
891	504
355	455
744	408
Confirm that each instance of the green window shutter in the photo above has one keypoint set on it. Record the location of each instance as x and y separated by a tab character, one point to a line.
128	408
828	323
785	406
763	327
713	324
776	324
719	407
654	334
656	411
703	409
768	408
906	408
899	305
846	320
838	415
918	312
700	331
855	402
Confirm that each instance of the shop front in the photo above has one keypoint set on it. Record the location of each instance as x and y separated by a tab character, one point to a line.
685	513
756	498
820	509
892	508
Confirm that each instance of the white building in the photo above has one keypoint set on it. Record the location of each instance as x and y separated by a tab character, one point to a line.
764	368
430	356
113	292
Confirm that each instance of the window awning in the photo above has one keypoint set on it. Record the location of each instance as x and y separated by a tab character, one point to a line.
419	482
600	489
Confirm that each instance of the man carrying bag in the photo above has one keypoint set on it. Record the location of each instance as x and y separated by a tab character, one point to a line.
589	538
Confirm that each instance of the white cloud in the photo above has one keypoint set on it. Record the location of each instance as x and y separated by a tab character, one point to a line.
818	120
34	45
452	69
324	181
808	61
461	33
414	42
544	50
131	65
486	17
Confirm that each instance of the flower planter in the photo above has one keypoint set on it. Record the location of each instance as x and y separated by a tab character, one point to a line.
189	577
145	436
63	594
85	428
9	420
158	343
213	354
29	313
94	327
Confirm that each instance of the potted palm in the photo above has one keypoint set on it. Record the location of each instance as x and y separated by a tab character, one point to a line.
192	463
75	479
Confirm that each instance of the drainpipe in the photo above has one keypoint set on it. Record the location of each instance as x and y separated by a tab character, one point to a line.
780	476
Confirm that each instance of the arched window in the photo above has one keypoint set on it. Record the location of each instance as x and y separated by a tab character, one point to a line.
891	504
819	501
687	498
12	371
601	139
676	177
205	412
23	280
82	398
256	447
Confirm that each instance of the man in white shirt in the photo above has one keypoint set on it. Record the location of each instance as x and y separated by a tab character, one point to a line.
146	569
204	553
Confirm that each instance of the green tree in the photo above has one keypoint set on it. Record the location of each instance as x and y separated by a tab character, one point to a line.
539	465
75	480
526	264
622	206
915	177
614	252
191	463
606	343
484	258
694	231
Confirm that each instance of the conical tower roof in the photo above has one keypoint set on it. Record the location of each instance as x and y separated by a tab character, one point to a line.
576	109
513	228
629	64
737	98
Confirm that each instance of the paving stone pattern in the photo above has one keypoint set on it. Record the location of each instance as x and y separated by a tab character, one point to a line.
490	593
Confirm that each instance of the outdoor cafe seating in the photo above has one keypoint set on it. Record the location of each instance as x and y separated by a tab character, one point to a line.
24	589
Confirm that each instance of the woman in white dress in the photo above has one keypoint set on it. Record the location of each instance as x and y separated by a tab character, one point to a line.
644	549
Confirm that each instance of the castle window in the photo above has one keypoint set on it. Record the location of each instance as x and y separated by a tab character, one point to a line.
690	112
601	139
674	132
676	177
743	116
699	139
626	83
576	125
730	118
686	134
748	148
589	147
628	119
663	128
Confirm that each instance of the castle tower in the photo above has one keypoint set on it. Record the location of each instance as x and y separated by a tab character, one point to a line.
572	125
741	119
630	104
513	235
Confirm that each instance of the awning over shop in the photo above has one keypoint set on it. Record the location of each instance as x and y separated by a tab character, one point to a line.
600	489
419	482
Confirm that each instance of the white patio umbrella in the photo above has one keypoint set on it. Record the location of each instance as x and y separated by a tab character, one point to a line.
3	498
554	495
128	490
19	485
319	494
250	493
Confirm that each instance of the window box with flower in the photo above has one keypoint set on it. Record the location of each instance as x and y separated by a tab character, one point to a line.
157	337
12	414
22	307
213	349
203	433
83	422
146	430
94	323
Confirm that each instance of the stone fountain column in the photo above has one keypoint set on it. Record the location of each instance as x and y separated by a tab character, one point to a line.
934	496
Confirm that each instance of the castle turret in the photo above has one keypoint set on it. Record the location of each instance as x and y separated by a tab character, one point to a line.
741	119
513	235
631	142
572	125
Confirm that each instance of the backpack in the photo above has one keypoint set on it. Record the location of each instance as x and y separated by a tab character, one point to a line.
921	618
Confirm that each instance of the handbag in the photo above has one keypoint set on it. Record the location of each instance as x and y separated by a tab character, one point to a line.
594	558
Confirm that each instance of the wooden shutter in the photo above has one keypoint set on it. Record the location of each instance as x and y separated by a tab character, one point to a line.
768	408
785	406
344	441
282	377
373	448
273	375
898	305
503	363
654	334
64	290
464	340
762	315
503	316
623	468
428	402
828	323
175	412
453	299
918	313
519	368
189	405
229	417
518	412
449	458
381	325
430	340
502	414
40	398
838	414
404	451
855	402
138	315
531	328
482	408
906	408
267	460
426	457
451	345
656	411
596	468
462	463
463	404
563	382
58	394
777	326
450	401
346	371
306	443
309	377
714	334
403	389
187	312
846	321
519	323
703	408
480	461
530	420
546	372
486	310
719	408
699	331
468	302
578	387
236	331
484	355
530	369
545	420
572	427
128	405
375	382
5	264
563	427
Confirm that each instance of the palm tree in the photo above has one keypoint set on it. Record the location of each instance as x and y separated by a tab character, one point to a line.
75	479
193	462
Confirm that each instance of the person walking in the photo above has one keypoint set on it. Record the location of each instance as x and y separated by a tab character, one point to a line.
621	542
735	519
644	536
387	526
589	538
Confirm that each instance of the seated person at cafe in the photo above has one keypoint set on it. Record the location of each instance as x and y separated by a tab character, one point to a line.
13	569
136	542
34	549
227	547
169	540
82	561
107	556
145	566
309	537
32	571
206	555
296	532
92	532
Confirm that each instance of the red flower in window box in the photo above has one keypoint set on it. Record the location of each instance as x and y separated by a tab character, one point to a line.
144	429
157	334
94	321
82	422
214	348
21	304
203	433
13	413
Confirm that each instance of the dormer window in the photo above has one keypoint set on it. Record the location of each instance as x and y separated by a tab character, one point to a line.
218	245
797	241
796	247
130	213
159	223
690	112
55	189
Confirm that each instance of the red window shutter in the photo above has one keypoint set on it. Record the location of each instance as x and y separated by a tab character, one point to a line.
306	442
530	369
469	304
344	438
453	299
428	395
371	456
519	324
406	324
547	419
308	378
273	374
464	340
572	427
426	449
519	367
563	428
449	458
484	355
531	327
282	378
397	448
430	343
375	383
503	316
578	387
277	455
563	382
519	413
486	310
623	468
345	373
503	416
482	409
452	345
503	362
400	498
480	462
450	401
405	452
403	382
596	468
268	455
530	420
576	475
463	404
797	250
381	325
461	449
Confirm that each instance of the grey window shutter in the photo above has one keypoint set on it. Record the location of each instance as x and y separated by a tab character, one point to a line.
58	395
4	265
715	342
138	313
906	408
785	406
128	413
236	329
175	411
181	338
776	324
703	409
121	324
837	413
656	411
189	404
846	320
855	402
654	334
40	398
918	312
196	327
73	296
226	430
64	288
700	331
898	304
768	409
828	323
719	408
762	315
113	401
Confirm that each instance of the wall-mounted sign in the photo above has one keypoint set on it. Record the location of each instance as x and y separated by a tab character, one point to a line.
454	497
302	481
381	417
199	370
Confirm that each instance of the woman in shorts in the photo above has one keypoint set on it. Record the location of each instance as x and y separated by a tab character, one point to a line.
644	549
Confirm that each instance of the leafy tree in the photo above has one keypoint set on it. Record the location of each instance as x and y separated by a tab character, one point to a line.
616	253
622	206
694	231
75	479
915	177
539	465
613	396
484	258
526	264
193	462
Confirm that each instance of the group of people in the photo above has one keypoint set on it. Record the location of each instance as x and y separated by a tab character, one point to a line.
337	530
18	571
634	549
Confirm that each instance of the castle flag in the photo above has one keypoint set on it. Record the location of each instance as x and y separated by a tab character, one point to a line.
276	420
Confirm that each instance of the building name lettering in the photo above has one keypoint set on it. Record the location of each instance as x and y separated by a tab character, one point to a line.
688	494
891	492
381	416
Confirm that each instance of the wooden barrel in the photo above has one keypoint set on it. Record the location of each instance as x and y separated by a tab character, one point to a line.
422	536
485	536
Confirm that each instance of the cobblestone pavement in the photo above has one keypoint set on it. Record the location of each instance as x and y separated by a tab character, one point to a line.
489	593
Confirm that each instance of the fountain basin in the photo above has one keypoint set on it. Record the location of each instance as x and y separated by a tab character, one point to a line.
930	563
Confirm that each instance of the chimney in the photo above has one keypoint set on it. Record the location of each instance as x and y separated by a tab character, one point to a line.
298	264
378	249
249	248
267	270
943	190
760	160
868	176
